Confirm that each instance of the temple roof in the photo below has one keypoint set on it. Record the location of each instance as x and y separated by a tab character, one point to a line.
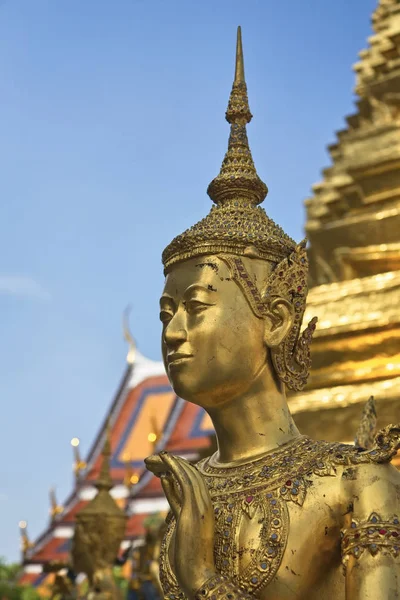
144	404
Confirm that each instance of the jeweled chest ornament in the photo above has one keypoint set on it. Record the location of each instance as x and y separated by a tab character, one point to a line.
262	489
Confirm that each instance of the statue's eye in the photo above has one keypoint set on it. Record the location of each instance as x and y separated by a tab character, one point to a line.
195	306
165	316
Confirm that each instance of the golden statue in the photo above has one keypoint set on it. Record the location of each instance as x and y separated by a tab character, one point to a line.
271	514
99	531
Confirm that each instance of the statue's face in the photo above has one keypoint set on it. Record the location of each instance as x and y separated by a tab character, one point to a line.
213	345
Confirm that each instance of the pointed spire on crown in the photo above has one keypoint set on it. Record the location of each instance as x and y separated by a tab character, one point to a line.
238	110
238	179
236	225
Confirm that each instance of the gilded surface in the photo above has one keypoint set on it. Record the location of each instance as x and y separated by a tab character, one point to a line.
356	205
268	515
355	305
261	493
356	353
353	224
373	535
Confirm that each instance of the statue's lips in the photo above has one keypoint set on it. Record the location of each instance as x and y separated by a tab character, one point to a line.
178	358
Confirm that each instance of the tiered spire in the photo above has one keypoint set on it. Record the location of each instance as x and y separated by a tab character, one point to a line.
236	225
383	54
238	179
380	16
365	172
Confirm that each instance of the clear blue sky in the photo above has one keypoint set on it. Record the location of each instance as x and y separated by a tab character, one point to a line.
111	127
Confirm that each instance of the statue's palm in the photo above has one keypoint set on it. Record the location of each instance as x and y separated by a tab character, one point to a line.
193	550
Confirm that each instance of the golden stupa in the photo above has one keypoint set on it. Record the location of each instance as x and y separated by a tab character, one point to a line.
353	225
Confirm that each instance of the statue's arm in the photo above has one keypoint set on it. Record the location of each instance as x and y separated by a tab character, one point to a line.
371	539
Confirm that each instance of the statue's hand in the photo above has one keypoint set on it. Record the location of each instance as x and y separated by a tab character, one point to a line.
194	534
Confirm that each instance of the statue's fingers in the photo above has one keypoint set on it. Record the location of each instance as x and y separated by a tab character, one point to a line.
199	485
155	465
190	470
171	494
175	487
176	469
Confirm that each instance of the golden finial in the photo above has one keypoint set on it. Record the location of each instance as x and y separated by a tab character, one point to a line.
155	433
104	481
130	358
55	508
239	67
130	479
79	464
367	428
26	544
134	478
238	179
238	110
128	473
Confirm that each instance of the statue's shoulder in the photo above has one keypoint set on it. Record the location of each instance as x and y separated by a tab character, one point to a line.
372	482
384	448
330	458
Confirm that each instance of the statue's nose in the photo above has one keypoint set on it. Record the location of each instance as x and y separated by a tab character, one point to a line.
175	333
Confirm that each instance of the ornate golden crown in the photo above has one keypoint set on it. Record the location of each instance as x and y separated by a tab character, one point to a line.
238	226
236	222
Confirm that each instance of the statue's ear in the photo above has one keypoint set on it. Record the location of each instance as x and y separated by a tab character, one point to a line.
278	322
